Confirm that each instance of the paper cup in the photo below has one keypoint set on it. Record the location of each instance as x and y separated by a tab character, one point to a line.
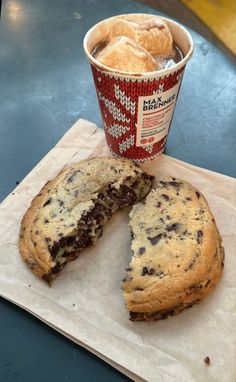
137	108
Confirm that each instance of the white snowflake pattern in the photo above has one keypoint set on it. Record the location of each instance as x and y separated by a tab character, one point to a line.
126	144
124	100
115	111
159	90
149	148
117	130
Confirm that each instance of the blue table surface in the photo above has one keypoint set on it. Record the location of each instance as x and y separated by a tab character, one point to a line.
45	86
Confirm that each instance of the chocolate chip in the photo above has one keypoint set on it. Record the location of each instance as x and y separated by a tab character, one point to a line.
48	239
168	217
141	250
165	314
196	255
57	268
90	224
164	184
199	236
71	178
160	274
47	202
154	240
158	204
194	288
47	277
175	184
207	360
173	227
147	176
127	278
166	197
148	271
188	199
128	269
198	194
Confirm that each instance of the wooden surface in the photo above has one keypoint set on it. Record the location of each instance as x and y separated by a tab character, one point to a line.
219	16
182	13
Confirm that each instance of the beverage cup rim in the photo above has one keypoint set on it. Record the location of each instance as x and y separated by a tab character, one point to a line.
156	73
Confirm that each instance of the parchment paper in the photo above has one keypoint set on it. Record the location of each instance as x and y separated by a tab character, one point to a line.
85	302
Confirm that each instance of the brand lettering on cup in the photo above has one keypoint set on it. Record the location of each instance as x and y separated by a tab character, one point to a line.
154	116
156	103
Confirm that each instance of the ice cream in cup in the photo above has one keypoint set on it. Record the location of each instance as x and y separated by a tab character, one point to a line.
137	61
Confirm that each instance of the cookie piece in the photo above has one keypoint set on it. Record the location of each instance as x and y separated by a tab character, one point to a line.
177	253
69	212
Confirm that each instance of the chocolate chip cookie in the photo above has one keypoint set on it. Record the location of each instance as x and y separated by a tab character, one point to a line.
70	211
177	252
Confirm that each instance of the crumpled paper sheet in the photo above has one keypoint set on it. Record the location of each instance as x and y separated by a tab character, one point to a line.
85	302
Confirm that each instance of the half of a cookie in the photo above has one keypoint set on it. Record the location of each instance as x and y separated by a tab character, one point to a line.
69	212
177	253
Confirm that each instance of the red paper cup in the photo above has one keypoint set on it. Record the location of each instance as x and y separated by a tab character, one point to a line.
137	108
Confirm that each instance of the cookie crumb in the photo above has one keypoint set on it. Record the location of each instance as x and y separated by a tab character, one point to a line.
73	304
17	182
29	285
207	360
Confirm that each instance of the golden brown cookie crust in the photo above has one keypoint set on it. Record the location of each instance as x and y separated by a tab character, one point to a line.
177	252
